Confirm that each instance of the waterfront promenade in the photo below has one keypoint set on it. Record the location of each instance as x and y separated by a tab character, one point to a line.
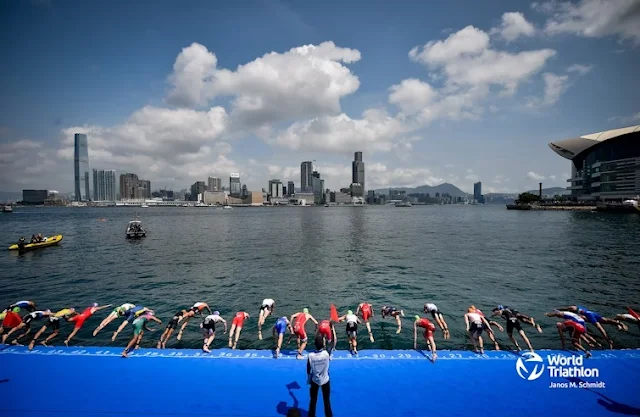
85	382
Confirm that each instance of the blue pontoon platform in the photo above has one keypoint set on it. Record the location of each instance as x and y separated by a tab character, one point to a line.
82	382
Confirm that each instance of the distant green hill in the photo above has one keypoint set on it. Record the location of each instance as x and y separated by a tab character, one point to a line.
444	188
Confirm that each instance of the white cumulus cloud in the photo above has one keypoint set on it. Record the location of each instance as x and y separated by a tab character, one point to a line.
514	25
594	18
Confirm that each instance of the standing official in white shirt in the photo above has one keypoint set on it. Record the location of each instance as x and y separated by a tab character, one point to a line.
318	377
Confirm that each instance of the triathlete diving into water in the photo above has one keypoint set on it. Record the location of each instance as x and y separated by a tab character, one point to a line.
429	328
279	329
327	330
365	310
81	318
268	306
30	306
475	323
438	317
52	322
352	330
391	311
299	321
567	315
196	309
513	322
577	332
139	325
522	317
208	327
630	317
26	325
171	326
597	320
129	316
236	328
117	312
487	327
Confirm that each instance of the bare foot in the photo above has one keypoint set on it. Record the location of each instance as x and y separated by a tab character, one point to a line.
299	356
179	336
206	349
259	335
435	356
66	343
44	343
113	338
95	332
159	346
497	346
277	353
539	328
33	342
588	354
124	354
230	343
481	351
371	338
398	331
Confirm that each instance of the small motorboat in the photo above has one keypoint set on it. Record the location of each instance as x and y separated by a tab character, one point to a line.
227	207
7	209
144	206
135	230
48	241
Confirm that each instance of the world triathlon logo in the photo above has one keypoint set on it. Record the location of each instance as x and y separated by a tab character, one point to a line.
530	366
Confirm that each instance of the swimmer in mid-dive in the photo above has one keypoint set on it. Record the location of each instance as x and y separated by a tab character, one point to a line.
597	320
208	327
299	320
196	309
267	307
30	306
118	311
567	315
279	329
139	325
171	326
488	328
438	317
628	317
81	318
512	323
366	311
577	332
429	328
54	322
129	316
391	311
10	319
475	323
522	317
352	330
236	327
26	323
327	330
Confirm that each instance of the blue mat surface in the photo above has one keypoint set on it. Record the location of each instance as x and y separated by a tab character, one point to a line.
81	382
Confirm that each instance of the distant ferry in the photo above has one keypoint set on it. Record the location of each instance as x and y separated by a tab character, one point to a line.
7	209
403	204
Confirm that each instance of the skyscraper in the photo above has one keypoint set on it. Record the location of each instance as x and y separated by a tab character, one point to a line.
81	167
275	188
214	184
104	185
291	188
477	192
129	187
306	176
357	175
235	188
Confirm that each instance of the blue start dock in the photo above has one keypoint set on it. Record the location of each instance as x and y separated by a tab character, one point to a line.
82	382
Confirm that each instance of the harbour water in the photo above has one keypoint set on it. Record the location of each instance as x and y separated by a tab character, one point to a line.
453	256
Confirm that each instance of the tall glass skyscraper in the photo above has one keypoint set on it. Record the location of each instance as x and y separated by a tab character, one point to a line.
357	175
235	189
81	167
306	176
104	185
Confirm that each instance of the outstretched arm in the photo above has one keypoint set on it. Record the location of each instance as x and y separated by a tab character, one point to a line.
225	324
103	307
466	321
489	329
415	335
313	319
208	309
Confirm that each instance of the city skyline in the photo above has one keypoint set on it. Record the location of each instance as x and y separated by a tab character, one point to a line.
436	94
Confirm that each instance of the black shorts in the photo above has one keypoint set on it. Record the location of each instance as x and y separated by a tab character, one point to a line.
484	326
173	323
53	323
435	314
27	321
209	326
352	329
513	323
476	329
265	307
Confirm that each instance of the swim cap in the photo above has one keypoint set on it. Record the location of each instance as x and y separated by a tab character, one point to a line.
417	317
305	310
216	313
349	312
500	307
47	311
95	304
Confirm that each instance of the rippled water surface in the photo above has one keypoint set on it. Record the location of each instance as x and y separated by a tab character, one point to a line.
310	257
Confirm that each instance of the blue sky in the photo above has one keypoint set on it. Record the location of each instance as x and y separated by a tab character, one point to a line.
159	90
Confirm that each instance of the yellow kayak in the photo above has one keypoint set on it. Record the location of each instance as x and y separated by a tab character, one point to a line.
53	240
